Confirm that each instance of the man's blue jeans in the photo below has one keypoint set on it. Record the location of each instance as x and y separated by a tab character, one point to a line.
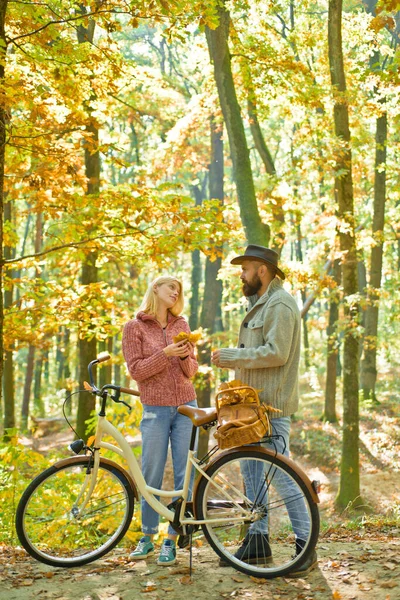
159	426
256	489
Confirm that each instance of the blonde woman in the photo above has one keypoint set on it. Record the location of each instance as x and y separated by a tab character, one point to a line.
162	370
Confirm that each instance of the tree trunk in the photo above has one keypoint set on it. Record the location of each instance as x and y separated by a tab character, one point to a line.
278	214
349	489
27	388
217	40
3	52
196	269
23	247
87	353
8	382
276	208
37	388
105	370
32	349
65	372
299	257
117	366
258	137
212	286
87	347
332	351
46	366
60	354
368	364
195	288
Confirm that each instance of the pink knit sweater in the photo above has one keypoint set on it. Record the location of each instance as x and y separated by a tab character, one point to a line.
162	380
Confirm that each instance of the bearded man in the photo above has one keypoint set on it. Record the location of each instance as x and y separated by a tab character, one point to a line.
267	358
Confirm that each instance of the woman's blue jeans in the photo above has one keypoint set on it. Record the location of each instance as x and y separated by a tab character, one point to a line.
159	426
256	489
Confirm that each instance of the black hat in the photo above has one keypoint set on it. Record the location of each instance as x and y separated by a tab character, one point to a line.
260	253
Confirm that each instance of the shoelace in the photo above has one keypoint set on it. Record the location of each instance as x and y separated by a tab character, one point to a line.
165	550
140	547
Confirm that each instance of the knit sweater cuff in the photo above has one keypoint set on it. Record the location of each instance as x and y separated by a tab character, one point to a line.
228	356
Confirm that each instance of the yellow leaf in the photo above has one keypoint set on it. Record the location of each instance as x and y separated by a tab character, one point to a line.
193	337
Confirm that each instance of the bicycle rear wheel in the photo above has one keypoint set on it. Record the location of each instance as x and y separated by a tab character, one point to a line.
252	494
54	529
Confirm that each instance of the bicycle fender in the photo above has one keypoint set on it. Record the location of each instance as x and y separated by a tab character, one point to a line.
70	461
288	461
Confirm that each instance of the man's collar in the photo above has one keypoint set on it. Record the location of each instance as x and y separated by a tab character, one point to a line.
275	284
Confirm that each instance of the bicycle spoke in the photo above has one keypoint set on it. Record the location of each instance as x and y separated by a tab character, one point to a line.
51	526
275	510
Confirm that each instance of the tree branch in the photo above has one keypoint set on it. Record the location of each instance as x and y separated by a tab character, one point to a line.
62	21
73	245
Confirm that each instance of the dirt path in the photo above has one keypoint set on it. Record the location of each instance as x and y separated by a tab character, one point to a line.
358	564
365	567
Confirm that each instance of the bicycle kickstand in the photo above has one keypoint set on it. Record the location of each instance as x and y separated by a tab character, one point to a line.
191	555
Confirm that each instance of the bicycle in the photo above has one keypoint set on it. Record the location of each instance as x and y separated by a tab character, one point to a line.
79	508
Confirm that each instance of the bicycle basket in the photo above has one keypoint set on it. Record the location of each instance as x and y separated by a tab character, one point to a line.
242	419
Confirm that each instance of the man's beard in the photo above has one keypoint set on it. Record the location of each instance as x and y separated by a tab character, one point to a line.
252	287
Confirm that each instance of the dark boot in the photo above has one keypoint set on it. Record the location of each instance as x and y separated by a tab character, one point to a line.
255	549
308	565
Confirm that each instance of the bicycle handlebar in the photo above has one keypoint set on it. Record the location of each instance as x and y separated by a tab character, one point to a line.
130	391
92	386
103	357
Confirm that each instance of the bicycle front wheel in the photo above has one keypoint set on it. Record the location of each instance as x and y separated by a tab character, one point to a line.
262	515
55	526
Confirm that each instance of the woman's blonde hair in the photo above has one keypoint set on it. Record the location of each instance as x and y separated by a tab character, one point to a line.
150	300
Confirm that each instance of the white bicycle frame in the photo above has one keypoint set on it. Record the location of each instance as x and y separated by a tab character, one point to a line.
123	449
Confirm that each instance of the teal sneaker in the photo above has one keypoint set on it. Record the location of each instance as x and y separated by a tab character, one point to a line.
144	549
167	554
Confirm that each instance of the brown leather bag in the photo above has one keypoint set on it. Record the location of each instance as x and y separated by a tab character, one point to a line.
242	419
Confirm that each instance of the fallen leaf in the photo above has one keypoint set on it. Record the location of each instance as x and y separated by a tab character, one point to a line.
149	588
181	571
258	580
186	580
388	584
237	579
364	588
336	595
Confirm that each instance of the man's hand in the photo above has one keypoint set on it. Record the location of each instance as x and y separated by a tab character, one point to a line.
215	357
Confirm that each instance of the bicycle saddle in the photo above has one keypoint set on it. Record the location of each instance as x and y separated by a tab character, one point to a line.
198	416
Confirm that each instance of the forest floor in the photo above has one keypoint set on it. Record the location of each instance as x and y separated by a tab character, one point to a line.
358	552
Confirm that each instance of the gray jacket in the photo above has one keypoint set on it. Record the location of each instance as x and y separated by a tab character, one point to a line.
268	352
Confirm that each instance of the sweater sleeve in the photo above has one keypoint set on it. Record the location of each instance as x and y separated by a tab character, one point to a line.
189	365
140	368
278	331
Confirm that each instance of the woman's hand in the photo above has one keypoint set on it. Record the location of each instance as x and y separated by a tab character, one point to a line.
181	349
